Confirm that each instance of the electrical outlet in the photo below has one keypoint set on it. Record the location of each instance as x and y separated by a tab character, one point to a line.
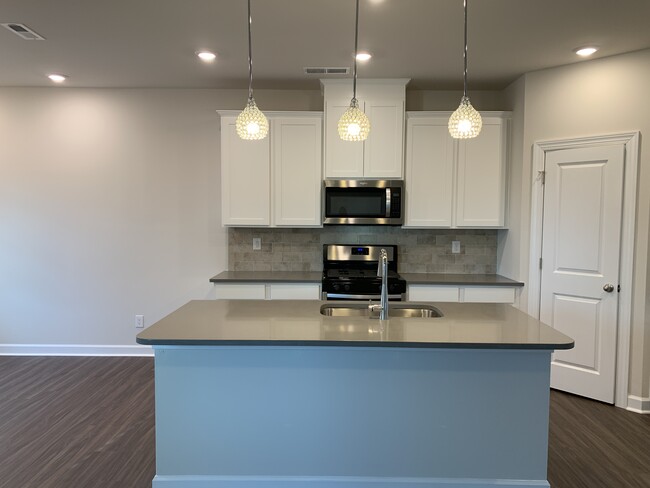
139	321
455	247
257	243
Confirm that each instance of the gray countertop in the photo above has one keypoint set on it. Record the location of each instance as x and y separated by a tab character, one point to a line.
459	279
268	276
299	323
411	278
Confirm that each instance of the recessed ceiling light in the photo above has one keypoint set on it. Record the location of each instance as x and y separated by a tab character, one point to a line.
57	78
586	51
363	56
206	56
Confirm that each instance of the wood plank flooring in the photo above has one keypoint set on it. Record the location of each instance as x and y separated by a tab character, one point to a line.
77	422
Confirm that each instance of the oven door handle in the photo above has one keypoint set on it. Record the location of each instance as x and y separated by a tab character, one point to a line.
348	296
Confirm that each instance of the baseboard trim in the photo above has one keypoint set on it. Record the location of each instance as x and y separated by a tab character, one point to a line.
638	404
73	350
336	482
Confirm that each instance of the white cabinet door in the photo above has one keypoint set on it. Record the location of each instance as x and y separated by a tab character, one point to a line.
240	291
267	291
245	178
381	156
488	294
343	159
383	151
429	173
297	146
480	195
466	294
454	183
433	293
294	291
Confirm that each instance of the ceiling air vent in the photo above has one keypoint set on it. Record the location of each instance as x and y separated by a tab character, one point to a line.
23	31
327	71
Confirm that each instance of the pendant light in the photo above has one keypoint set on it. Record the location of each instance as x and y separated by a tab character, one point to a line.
465	122
354	124
252	124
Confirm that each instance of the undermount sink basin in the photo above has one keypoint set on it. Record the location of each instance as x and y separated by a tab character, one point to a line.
401	310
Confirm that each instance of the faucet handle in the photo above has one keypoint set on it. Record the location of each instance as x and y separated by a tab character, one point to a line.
383	255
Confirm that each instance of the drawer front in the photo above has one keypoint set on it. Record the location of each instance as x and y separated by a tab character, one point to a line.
294	291
488	294
241	291
433	293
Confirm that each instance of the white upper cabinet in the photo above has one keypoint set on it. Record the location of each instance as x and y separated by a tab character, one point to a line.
343	159
245	178
382	154
480	201
297	171
429	173
383	151
275	181
455	183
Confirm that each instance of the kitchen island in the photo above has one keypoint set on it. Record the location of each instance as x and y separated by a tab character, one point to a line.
274	394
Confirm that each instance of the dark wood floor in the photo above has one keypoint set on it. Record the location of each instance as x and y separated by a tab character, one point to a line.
89	423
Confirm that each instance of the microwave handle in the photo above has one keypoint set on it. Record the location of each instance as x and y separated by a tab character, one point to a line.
388	195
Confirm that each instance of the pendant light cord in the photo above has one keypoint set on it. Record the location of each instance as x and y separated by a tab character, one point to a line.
356	46
464	51
250	55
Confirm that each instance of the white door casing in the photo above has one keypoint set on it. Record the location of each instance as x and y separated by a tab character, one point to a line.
580	250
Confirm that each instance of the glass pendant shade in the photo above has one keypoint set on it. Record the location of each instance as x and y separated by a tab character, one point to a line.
252	124
354	125
465	122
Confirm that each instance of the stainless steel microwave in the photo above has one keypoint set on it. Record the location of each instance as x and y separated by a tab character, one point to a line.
363	202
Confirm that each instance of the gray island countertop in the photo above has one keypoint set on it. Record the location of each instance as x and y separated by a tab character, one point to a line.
299	323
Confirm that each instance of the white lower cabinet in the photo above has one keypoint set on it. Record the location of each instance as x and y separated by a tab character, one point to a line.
268	291
241	291
275	182
451	183
488	294
466	294
431	293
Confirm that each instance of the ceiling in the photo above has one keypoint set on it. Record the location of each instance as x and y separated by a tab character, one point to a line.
152	43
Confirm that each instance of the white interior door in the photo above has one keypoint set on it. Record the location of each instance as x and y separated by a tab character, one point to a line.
580	256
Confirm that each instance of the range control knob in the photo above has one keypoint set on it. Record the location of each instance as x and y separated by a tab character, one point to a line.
336	287
346	287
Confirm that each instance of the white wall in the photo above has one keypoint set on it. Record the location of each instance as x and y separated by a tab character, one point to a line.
603	96
509	241
110	207
482	100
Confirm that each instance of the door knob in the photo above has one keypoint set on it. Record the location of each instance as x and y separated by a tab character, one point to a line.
608	288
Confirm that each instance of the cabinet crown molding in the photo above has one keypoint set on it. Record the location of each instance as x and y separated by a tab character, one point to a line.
414	114
273	114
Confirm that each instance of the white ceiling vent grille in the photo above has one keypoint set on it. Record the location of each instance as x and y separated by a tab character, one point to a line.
23	31
327	71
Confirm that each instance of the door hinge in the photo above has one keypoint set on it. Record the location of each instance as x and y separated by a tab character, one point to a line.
541	175
540	263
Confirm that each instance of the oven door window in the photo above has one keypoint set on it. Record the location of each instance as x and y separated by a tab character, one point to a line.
355	202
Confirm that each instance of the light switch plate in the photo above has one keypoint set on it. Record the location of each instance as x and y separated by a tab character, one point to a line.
455	247
257	243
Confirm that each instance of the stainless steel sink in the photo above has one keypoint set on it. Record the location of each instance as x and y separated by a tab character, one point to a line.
401	310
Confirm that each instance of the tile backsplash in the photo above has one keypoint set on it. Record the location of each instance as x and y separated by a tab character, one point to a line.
420	250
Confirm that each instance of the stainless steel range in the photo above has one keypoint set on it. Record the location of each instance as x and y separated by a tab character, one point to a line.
350	273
